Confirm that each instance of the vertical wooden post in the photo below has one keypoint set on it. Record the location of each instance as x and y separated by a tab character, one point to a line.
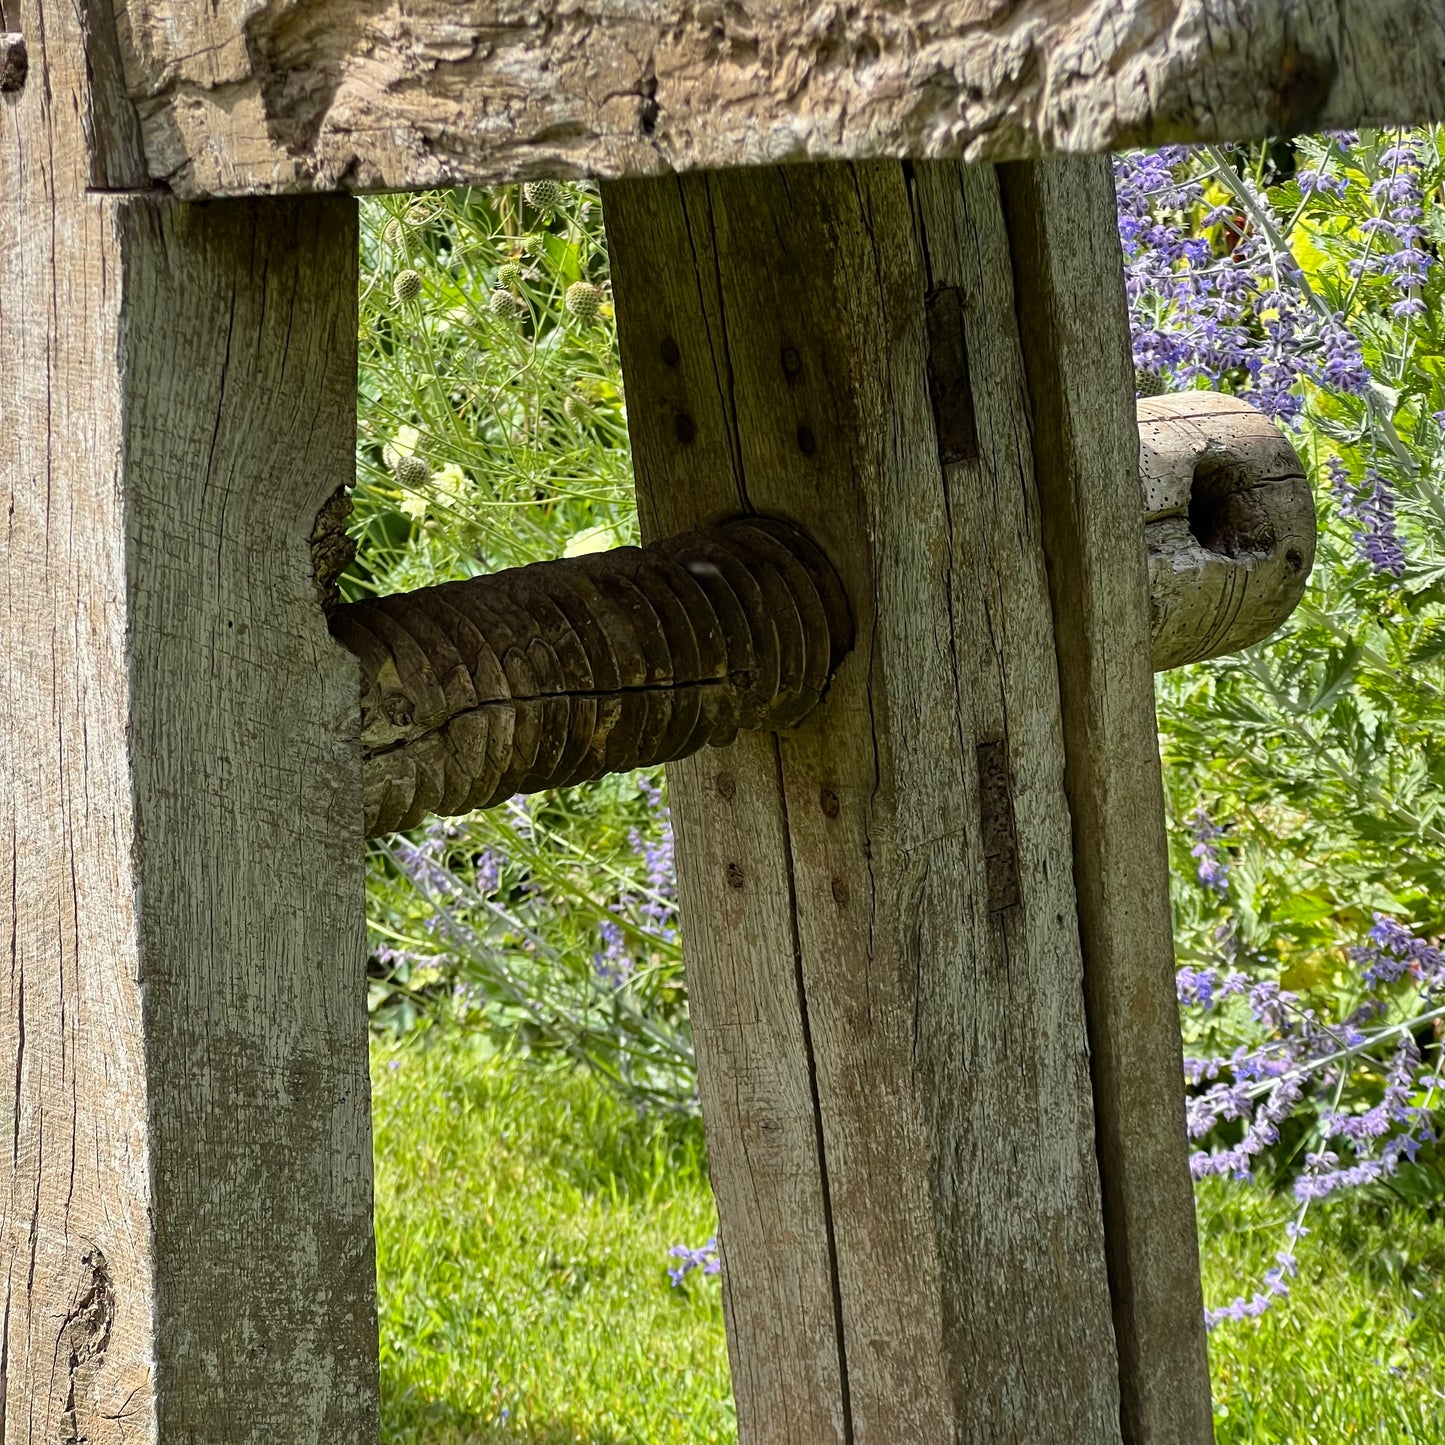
884	938
1063	229
185	1214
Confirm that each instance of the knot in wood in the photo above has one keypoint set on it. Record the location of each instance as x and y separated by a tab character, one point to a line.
559	672
14	62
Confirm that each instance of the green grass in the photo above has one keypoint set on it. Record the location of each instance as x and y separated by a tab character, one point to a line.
523	1224
524	1218
1358	1351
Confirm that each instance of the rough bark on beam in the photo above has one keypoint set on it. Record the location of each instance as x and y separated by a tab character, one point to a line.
268	95
185	1194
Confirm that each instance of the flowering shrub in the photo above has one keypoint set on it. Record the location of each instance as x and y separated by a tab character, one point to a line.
1306	785
491	433
1304	776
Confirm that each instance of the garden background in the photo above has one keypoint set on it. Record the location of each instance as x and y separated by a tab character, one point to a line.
544	1222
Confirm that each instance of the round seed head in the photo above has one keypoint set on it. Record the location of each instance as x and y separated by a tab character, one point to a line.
407	287
509	274
544	196
412	471
418	216
394	235
1149	383
502	303
583	301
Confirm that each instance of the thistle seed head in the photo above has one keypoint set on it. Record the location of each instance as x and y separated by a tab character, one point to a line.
412	471
544	196
583	301
503	304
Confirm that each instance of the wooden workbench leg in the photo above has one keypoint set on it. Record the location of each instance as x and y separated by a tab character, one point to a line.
883	940
185	1207
1068	267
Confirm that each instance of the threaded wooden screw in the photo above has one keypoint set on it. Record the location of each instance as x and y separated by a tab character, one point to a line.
559	672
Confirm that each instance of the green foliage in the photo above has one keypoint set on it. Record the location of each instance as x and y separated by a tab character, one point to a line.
491	434
1357	1353
1320	748
523	1221
1318	752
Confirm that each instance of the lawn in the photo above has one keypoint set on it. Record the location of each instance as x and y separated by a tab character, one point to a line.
524	1219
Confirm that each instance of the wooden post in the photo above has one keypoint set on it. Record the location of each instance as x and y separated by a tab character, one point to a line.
1068	278
185	1214
884	939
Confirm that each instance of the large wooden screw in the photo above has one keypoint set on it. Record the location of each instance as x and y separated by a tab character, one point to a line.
555	673
559	672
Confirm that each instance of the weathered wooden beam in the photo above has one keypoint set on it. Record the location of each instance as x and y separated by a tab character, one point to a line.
882	928
1089	461
243	96
185	1195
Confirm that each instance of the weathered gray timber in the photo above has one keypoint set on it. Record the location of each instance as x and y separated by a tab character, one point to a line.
1063	228
892	878
927	931
269	95
1229	521
185	1197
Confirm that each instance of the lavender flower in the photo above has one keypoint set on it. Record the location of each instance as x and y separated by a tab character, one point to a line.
705	1257
1395	951
1372	505
1213	872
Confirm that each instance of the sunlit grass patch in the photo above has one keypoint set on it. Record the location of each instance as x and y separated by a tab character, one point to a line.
523	1222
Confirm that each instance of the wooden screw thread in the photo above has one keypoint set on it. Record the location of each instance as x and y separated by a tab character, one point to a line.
552	674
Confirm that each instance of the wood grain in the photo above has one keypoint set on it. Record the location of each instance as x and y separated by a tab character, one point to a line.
939	1025
1069	283
1229	523
271	95
185	1207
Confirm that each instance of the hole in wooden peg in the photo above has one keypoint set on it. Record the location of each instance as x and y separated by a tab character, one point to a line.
792	363
1226	514
828	801
840	893
669	351
684	428
1229	522
807	442
735	875
727	787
